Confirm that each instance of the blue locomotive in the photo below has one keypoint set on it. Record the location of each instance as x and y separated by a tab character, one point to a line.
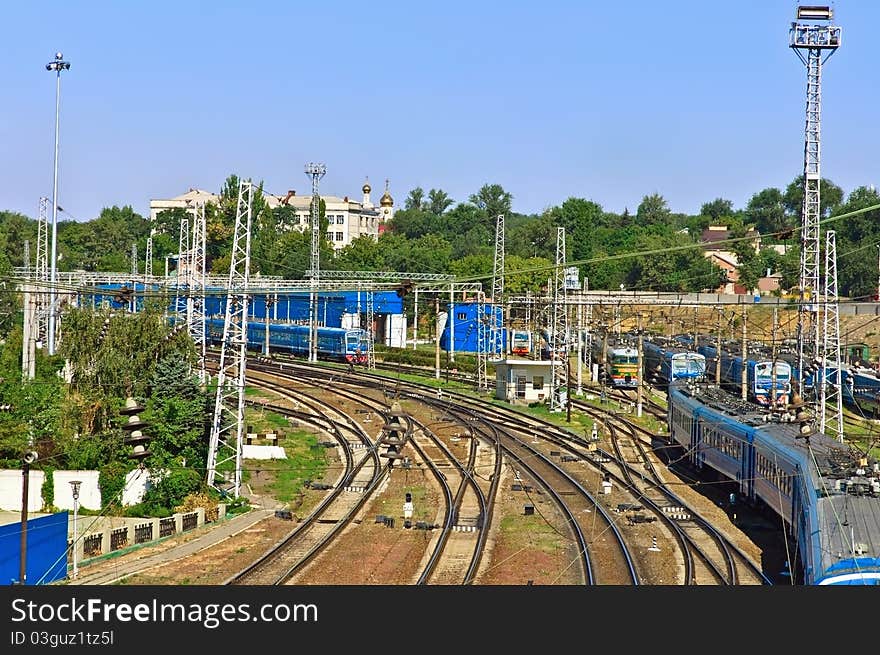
827	495
666	363
333	344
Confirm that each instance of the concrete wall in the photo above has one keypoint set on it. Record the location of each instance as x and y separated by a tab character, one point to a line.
136	483
11	488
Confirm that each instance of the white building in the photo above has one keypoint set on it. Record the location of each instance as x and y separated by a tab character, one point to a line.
524	381
347	219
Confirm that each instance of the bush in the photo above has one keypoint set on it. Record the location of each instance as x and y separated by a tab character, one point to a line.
47	491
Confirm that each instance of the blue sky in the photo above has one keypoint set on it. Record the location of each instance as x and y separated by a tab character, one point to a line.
608	101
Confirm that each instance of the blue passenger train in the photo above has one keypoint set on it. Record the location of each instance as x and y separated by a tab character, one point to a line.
670	362
760	372
826	494
333	344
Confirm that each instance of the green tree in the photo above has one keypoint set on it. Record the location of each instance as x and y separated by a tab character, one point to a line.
830	197
363	254
717	209
438	202
858	237
653	210
766	210
493	200
415	199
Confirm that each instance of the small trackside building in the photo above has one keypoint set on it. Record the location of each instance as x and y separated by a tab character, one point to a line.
523	381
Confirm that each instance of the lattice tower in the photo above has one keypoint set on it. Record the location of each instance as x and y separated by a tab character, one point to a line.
316	172
148	257
559	329
813	44
496	334
42	271
227	426
371	346
180	304
831	394
196	287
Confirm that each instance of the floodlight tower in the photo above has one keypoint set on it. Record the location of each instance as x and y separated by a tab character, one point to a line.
813	44
227	426
57	65
316	172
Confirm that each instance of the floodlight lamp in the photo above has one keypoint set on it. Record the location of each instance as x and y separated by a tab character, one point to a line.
59	56
815	12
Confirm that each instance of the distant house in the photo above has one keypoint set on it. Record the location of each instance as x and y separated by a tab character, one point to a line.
347	219
715	248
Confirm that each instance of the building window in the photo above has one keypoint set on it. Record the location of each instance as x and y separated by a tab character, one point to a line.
340	236
340	220
538	382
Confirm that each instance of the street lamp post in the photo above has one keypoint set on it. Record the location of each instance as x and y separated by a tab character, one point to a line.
29	458
57	65
74	486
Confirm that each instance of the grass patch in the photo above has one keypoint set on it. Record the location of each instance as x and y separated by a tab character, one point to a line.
305	461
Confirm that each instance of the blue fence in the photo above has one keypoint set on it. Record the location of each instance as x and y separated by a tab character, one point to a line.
46	554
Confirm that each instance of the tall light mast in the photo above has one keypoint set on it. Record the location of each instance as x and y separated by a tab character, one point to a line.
316	172
57	65
227	426
813	44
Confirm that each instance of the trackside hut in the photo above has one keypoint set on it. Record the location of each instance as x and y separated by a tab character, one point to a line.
524	380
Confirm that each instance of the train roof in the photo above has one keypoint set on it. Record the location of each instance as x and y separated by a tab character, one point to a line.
847	511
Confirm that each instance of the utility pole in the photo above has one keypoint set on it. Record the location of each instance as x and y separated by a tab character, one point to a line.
773	390
745	358
718	352
640	374
29	458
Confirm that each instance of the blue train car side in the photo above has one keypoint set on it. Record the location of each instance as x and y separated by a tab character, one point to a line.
827	496
333	344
